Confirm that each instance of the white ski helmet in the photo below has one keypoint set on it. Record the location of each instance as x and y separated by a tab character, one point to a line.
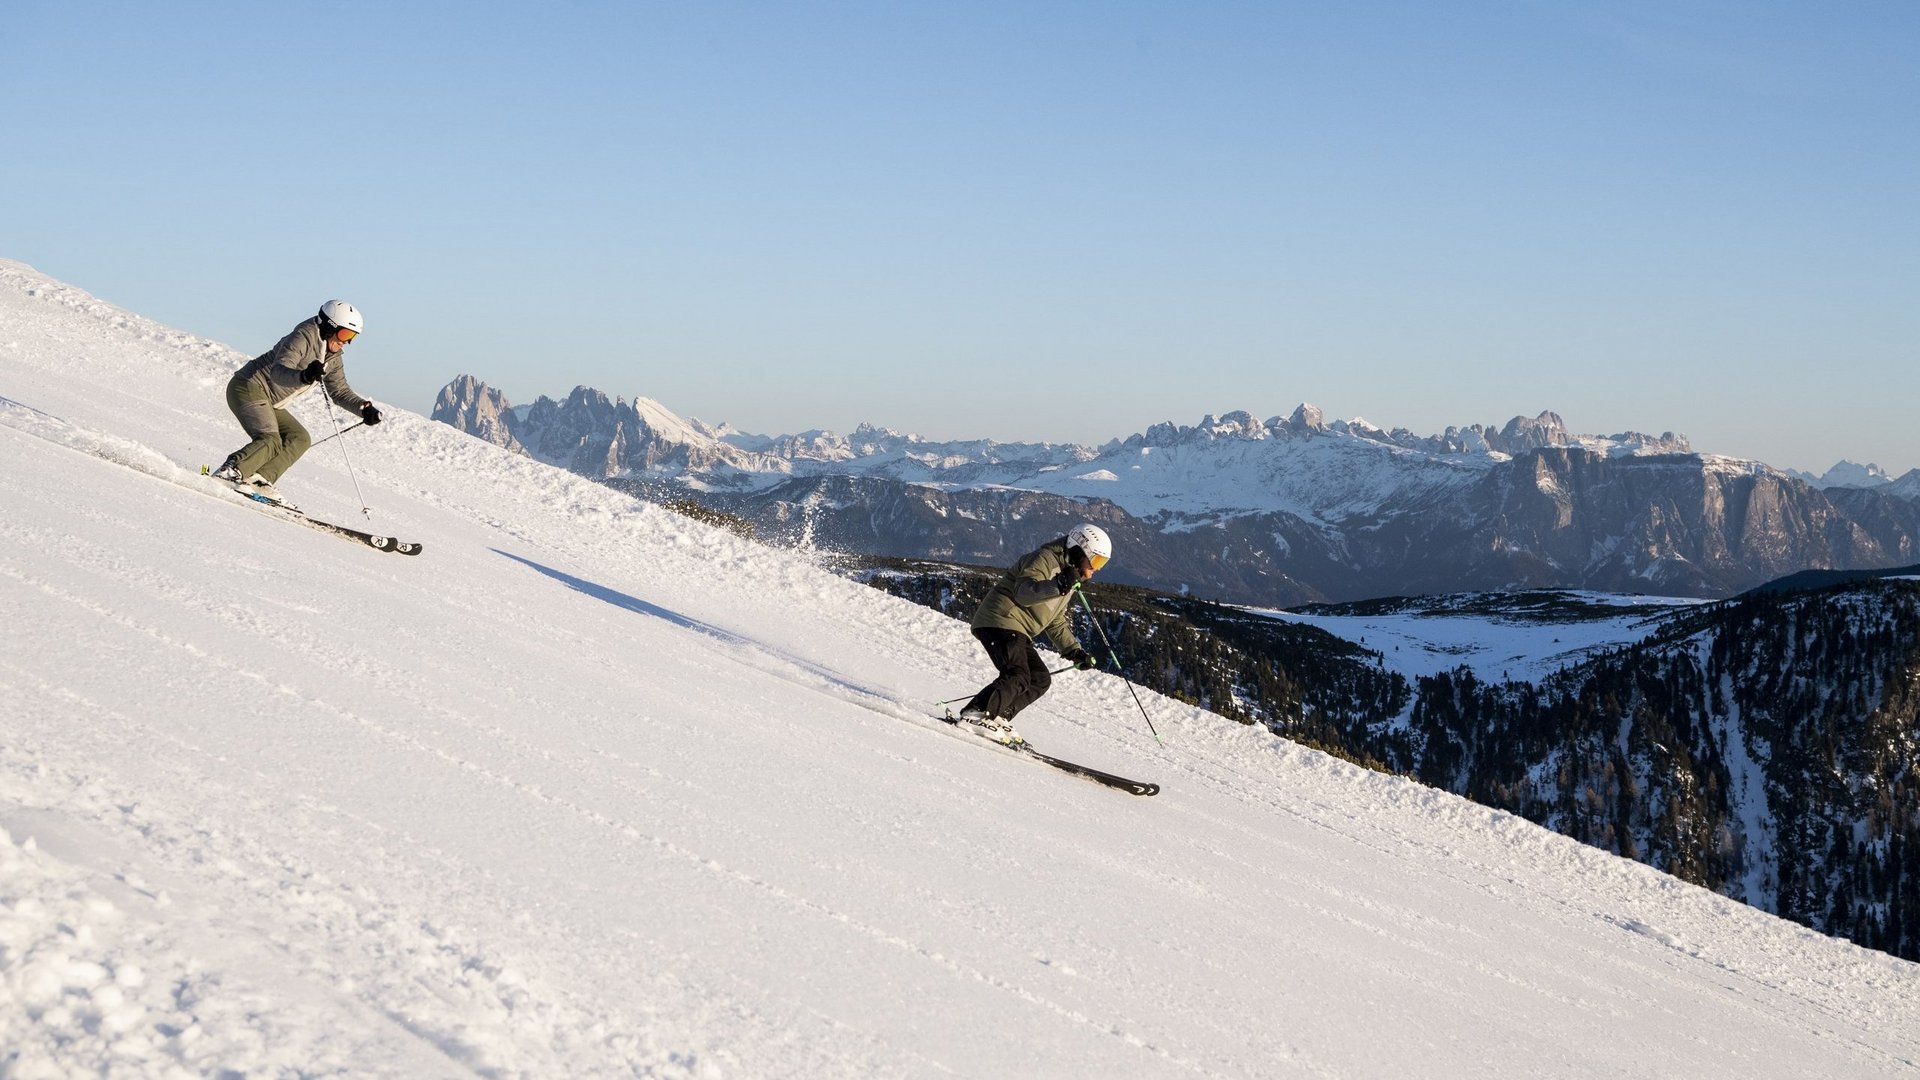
1091	539
341	313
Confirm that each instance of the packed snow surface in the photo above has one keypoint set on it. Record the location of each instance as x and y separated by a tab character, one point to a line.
588	789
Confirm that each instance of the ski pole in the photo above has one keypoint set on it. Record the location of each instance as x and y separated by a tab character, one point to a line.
337	432
1116	662
969	697
342	431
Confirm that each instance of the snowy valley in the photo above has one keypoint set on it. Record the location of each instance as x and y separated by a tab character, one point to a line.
592	789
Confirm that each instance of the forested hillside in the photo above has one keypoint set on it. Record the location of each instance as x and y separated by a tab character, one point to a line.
1763	747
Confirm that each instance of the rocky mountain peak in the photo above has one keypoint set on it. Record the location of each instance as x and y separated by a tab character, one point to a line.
1848	474
1305	420
477	409
1238	424
1522	434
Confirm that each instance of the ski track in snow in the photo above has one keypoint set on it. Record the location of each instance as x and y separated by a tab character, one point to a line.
589	789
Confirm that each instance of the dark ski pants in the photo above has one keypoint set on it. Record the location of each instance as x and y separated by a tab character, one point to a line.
278	439
1023	675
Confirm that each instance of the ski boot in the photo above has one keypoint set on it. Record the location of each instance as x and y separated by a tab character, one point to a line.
987	725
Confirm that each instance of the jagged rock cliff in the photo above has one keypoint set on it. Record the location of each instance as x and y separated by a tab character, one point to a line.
477	409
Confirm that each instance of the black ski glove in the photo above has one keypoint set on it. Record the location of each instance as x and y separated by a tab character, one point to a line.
312	372
1081	658
1066	579
370	414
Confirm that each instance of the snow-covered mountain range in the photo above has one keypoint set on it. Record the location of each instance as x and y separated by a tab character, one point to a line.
1222	467
590	789
1848	474
1279	511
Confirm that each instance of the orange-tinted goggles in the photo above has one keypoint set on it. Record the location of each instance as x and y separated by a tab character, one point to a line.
347	335
1096	561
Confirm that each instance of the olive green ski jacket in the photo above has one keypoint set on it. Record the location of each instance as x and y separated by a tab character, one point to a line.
1027	599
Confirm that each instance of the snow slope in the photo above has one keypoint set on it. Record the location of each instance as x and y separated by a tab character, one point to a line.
588	789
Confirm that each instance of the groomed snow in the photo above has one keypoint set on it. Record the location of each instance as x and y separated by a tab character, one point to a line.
588	789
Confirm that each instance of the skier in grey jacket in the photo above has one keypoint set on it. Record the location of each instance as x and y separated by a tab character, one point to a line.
1031	599
260	392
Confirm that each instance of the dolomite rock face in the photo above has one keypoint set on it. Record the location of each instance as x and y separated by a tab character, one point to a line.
477	409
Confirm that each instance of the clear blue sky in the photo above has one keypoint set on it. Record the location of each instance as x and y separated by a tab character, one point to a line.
1060	221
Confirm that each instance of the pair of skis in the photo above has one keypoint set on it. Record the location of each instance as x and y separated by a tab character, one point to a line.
372	540
294	513
1098	776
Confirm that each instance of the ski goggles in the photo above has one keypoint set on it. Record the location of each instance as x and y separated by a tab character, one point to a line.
347	335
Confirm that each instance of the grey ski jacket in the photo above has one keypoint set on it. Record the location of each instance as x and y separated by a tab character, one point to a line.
274	376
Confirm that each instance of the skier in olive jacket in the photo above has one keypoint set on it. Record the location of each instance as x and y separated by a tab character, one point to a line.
260	392
1029	600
